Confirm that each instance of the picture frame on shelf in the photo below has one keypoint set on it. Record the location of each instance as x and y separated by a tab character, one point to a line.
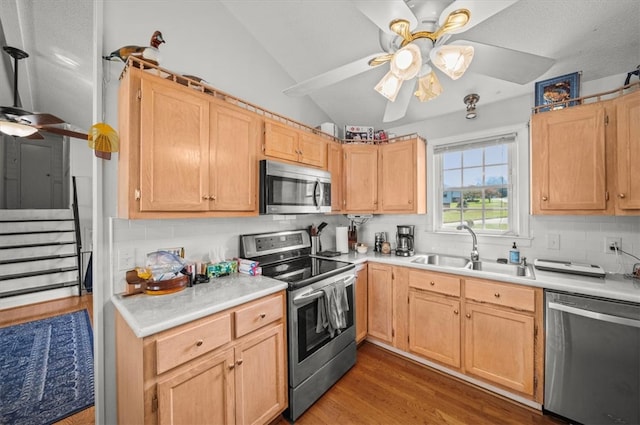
558	92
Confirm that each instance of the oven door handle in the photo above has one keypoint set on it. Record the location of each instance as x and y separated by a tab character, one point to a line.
595	315
314	295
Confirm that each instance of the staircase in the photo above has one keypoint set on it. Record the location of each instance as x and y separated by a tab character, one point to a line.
39	256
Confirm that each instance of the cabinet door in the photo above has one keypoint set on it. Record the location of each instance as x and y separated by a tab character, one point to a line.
499	347
312	149
568	160
434	327
280	141
361	304
174	148
397	178
261	387
360	168
208	384
380	302
334	166
234	160
628	157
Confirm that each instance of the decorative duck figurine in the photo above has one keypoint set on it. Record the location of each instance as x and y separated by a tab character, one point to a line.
148	53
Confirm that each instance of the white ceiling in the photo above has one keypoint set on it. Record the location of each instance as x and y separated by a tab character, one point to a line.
308	37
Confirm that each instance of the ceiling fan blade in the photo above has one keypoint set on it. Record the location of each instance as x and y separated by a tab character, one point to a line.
506	64
34	136
382	13
480	11
38	119
331	77
396	110
65	132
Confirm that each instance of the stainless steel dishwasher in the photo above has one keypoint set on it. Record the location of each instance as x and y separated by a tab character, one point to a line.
592	359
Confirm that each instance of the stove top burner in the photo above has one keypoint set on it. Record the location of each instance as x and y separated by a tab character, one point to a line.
304	271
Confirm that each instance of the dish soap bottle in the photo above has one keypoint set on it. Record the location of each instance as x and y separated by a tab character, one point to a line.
514	254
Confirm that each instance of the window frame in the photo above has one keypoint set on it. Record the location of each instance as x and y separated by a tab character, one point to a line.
518	171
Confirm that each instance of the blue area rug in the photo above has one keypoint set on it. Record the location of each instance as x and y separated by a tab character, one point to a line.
46	369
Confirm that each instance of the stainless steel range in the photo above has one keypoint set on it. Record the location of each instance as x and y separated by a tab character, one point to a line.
321	350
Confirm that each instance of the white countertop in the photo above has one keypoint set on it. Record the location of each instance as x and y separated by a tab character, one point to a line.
150	314
613	286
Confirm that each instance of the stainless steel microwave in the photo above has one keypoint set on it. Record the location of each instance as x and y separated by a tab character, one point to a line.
293	189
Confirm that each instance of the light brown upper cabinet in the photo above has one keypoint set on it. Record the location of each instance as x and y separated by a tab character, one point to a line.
289	143
334	166
581	159
385	179
184	153
628	154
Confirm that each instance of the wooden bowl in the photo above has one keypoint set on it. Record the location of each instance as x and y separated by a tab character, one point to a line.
168	286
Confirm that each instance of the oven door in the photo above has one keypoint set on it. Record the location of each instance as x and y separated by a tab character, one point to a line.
291	189
312	346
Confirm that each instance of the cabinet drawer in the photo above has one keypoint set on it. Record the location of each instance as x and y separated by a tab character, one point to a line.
518	297
254	316
434	282
190	341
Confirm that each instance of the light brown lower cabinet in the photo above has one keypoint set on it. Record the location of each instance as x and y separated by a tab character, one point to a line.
488	330
228	368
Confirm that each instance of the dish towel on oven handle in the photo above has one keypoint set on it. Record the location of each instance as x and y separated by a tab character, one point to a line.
332	308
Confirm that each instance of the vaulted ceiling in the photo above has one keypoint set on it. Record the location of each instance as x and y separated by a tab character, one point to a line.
599	38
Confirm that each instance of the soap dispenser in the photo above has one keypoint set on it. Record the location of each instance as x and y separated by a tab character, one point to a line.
514	254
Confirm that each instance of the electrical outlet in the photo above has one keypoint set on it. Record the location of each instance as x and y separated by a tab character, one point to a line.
610	242
553	241
126	258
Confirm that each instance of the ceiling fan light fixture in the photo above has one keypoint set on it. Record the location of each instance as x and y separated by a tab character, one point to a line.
16	129
452	60
428	87
406	62
389	86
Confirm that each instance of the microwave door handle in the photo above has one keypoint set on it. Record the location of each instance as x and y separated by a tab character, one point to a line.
317	194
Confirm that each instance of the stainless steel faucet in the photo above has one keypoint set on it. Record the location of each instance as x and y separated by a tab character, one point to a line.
475	256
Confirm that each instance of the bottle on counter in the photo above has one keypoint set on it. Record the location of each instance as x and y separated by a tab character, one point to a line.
514	254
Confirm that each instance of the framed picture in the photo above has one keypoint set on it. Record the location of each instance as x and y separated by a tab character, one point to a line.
559	89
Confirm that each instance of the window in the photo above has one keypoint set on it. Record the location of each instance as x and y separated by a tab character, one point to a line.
475	183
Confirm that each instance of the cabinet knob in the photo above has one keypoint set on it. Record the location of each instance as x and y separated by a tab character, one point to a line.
497	295
544	198
455	312
199	342
212	198
621	195
239	362
205	198
263	315
432	283
231	366
468	315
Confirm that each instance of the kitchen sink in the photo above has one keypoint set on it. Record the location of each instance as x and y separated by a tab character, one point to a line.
442	260
517	270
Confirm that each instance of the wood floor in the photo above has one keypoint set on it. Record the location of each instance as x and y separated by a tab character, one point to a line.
14	316
381	389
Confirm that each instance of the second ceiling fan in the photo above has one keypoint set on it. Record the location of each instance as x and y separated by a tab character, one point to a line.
18	122
414	36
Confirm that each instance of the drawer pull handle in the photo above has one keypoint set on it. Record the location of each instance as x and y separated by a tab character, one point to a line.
455	312
239	362
199	342
432	283
263	315
497	295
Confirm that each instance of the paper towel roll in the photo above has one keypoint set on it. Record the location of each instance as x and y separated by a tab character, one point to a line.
342	240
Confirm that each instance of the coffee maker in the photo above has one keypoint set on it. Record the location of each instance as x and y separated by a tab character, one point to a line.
404	240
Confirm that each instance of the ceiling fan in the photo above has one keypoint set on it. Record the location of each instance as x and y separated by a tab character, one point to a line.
413	35
15	121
